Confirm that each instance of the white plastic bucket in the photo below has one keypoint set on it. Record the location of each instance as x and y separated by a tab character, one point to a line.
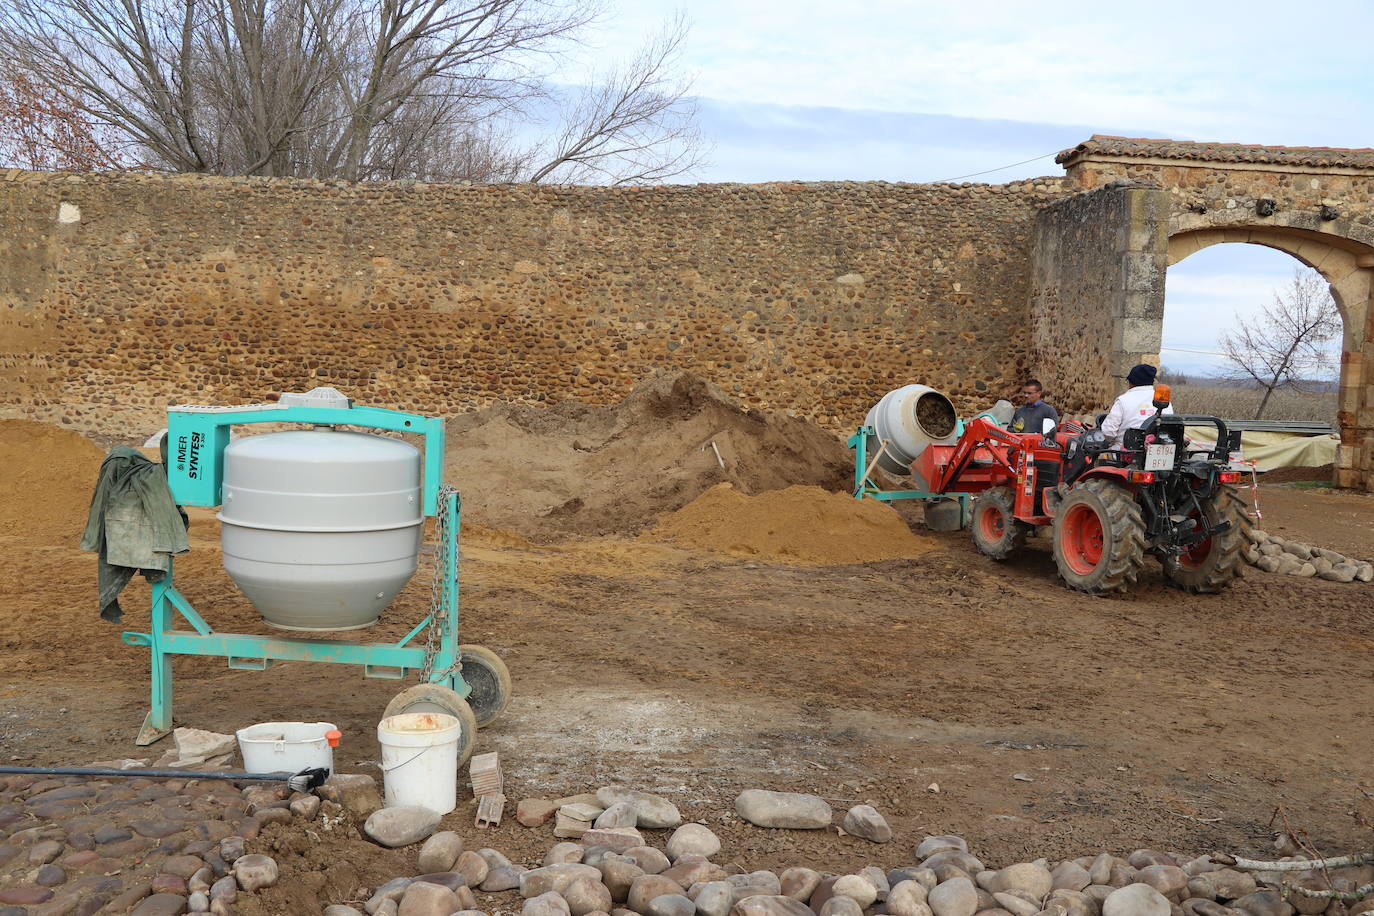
420	760
286	747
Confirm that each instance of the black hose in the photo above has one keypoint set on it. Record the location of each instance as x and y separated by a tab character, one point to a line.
303	781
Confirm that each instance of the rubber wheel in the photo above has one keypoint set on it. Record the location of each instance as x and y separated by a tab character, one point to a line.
996	532
1099	538
489	679
441	699
1213	564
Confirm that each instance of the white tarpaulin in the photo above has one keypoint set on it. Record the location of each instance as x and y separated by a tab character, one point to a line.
1270	450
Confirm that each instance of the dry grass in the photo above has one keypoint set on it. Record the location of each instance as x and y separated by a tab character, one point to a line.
1241	403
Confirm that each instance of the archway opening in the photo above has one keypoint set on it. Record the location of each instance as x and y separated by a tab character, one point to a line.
1251	333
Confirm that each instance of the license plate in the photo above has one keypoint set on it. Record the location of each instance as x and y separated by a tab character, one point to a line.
1159	457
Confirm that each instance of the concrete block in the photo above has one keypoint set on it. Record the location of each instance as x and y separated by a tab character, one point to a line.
942	515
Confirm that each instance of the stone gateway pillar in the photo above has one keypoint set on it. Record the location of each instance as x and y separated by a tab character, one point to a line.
1097	290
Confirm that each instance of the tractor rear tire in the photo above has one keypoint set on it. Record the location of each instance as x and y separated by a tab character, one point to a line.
996	532
1099	538
1213	564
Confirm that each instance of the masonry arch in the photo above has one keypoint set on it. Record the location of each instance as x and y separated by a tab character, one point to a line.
1101	254
1346	264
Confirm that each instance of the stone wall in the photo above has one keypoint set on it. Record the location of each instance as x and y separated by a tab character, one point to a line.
1097	290
122	293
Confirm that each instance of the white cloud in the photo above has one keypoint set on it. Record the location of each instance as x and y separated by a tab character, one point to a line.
1244	71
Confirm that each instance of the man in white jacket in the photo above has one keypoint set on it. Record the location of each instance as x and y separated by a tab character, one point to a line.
1134	408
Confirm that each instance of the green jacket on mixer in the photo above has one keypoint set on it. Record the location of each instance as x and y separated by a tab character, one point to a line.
133	524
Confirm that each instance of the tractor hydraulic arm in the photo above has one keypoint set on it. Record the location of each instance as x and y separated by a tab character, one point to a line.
977	434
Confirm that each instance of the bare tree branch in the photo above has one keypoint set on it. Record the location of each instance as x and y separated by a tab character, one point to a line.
41	128
356	89
637	127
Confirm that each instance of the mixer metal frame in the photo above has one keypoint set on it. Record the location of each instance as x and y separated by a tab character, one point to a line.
196	439
865	488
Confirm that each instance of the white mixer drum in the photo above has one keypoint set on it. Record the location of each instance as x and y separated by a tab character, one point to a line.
321	528
909	419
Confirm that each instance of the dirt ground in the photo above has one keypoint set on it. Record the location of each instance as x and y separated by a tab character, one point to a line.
1158	719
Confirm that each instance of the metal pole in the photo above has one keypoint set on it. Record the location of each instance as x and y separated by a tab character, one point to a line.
863	481
448	648
159	722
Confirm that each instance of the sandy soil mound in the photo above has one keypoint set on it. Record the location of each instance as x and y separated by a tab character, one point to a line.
1323	473
49	473
799	524
576	469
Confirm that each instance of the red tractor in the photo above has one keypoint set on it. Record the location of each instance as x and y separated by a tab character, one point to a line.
1108	508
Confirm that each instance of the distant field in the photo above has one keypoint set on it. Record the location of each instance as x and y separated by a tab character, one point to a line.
1241	403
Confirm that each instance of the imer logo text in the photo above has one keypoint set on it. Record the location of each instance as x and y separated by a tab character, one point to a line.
188	454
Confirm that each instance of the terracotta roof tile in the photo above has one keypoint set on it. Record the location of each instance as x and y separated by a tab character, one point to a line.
1142	147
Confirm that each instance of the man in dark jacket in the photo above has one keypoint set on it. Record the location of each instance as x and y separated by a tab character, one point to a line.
1033	412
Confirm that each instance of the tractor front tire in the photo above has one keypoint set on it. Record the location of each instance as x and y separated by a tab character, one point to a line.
1213	564
996	532
1099	538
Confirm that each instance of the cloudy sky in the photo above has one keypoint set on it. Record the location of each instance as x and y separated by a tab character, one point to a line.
929	91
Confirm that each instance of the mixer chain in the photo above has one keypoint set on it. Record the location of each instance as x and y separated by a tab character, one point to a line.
438	619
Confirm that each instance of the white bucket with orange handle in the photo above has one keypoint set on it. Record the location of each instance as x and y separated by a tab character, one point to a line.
288	747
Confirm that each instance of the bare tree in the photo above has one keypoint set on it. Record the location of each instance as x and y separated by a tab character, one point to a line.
357	89
1289	344
45	129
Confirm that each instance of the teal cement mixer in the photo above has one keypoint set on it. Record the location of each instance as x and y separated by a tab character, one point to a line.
321	528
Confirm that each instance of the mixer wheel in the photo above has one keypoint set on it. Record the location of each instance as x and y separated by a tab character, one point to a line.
489	679
441	699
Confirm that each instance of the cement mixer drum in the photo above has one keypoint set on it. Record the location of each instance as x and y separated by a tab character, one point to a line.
321	528
909	419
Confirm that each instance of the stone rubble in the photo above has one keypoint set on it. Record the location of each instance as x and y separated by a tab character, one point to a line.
401	826
865	821
692	839
194	744
535	812
783	809
142	845
1274	554
72	862
942	879
653	811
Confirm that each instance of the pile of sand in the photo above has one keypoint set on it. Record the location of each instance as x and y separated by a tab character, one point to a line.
49	475
576	469
805	525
